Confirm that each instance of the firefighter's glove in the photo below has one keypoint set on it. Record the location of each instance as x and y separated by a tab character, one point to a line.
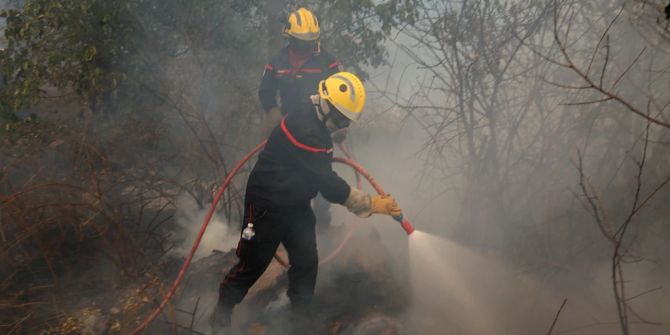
384	204
339	135
272	119
358	203
364	205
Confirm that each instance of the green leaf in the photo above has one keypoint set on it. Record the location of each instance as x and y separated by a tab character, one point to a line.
90	53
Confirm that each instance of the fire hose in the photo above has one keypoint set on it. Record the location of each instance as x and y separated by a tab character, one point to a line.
404	223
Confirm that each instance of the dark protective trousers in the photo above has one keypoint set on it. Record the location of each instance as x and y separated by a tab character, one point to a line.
294	228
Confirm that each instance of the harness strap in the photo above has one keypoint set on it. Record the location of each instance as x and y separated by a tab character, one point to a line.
298	144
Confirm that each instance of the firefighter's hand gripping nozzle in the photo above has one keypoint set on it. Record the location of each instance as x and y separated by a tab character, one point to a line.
386	204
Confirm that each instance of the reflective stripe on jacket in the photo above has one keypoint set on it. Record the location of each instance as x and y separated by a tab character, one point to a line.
294	85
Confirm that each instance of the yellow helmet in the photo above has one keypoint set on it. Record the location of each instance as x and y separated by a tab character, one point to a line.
345	92
303	25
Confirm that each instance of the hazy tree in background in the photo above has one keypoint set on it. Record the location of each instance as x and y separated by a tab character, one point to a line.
549	116
112	112
470	102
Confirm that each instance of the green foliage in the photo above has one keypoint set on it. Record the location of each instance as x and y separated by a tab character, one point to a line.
93	47
69	45
355	30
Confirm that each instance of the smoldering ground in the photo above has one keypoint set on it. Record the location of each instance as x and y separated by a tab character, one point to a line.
516	182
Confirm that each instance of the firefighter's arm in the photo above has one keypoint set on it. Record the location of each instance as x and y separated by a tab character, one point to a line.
267	93
318	170
364	205
329	184
335	189
272	119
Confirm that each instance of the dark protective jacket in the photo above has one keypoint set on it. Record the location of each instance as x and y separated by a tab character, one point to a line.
294	85
295	164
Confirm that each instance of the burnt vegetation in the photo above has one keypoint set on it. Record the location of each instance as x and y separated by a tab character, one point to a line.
547	123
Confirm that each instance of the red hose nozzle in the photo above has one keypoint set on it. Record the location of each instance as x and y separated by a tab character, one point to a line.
409	229
404	223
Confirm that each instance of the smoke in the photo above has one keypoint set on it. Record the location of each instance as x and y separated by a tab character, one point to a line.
189	218
510	236
510	258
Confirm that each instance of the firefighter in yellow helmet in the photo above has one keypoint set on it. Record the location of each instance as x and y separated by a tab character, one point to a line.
295	165
294	72
292	76
303	25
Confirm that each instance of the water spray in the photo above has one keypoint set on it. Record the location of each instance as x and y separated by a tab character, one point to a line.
404	223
